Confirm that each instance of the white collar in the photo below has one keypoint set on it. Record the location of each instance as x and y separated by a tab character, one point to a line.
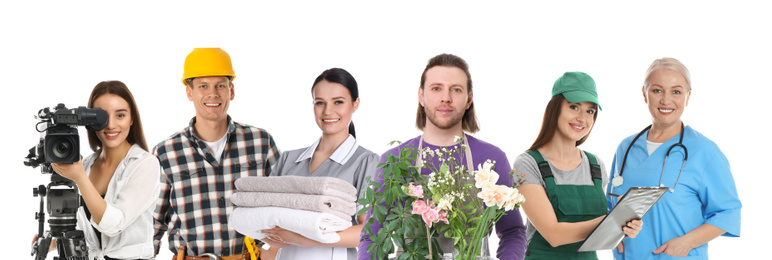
341	155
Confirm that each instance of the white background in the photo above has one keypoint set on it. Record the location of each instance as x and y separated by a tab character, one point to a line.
55	52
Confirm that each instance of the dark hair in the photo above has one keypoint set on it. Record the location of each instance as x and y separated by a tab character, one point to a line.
469	121
136	135
549	125
341	76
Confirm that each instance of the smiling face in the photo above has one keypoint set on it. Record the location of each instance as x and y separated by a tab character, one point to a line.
211	97
576	120
445	96
333	107
119	121
667	96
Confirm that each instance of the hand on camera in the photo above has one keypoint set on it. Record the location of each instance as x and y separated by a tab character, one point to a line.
72	171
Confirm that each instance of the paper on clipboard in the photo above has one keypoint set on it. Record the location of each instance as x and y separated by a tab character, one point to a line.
633	205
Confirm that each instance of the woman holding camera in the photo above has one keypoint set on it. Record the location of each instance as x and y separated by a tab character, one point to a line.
119	183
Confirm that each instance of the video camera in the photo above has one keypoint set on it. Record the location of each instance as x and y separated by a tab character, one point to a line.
59	143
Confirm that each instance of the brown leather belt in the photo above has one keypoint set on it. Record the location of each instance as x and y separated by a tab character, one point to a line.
242	256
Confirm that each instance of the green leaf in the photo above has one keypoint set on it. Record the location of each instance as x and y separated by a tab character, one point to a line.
388	246
364	201
396	171
444	168
382	236
371	247
399	241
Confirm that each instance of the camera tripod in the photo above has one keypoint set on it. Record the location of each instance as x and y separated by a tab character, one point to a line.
62	205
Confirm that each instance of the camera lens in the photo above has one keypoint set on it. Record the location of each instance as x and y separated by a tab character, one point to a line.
62	148
61	144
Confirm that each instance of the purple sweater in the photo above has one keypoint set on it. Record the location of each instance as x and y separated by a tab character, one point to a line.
510	227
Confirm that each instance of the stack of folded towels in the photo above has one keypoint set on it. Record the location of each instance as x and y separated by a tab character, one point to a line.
315	207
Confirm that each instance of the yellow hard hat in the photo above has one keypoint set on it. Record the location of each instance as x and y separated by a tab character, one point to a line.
203	62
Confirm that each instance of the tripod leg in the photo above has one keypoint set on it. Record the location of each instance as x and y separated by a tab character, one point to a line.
40	248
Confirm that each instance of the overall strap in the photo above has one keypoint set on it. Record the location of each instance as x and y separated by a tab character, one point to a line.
544	166
594	166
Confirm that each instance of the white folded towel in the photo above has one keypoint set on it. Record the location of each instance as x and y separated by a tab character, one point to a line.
297	184
317	226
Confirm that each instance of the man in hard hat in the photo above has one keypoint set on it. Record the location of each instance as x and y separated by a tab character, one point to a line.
201	162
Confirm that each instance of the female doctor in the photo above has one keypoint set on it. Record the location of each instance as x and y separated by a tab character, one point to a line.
702	201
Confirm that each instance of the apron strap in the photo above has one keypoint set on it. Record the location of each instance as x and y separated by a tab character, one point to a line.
594	166
546	172
544	166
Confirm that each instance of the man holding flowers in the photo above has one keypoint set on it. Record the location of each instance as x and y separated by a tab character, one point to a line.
445	115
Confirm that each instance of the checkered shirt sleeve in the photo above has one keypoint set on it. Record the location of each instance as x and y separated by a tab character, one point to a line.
194	204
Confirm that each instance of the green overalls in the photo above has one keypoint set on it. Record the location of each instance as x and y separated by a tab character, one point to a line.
572	203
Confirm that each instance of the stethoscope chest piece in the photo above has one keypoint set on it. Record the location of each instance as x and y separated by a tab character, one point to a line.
617	181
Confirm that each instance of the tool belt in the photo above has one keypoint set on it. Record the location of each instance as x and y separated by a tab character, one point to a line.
242	256
208	256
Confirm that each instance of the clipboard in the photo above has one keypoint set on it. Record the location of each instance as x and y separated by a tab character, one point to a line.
634	205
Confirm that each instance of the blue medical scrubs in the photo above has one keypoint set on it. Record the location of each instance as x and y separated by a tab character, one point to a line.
706	193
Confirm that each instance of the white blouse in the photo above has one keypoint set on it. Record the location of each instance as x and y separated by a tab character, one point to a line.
127	223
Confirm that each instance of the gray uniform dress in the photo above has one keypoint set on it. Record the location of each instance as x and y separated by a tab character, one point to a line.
349	162
525	164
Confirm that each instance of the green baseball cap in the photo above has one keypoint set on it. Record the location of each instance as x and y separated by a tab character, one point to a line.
576	87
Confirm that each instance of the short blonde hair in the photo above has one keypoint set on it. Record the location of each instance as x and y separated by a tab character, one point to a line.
669	64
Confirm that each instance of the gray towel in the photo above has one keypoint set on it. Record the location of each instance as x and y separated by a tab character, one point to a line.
301	185
317	203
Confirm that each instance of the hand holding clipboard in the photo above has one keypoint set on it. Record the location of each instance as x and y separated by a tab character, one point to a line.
634	205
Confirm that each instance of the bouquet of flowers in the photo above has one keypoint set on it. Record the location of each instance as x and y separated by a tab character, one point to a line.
409	204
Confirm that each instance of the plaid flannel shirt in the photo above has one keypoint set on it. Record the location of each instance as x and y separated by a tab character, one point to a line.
194	203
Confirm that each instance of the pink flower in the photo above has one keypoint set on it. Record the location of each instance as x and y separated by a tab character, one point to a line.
431	216
415	191
443	216
419	207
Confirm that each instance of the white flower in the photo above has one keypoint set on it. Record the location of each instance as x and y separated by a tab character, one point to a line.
457	139
485	174
446	203
514	200
489	194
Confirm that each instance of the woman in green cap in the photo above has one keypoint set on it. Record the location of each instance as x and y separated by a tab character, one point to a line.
564	186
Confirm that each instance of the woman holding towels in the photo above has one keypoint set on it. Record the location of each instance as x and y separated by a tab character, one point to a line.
337	155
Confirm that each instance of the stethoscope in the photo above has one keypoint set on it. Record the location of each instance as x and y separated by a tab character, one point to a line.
618	180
